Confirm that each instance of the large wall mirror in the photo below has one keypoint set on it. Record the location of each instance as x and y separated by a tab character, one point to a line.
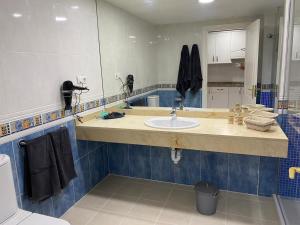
218	53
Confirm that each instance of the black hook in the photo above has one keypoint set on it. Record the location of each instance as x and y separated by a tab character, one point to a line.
22	143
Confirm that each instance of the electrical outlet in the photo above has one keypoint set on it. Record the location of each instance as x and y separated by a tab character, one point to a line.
81	79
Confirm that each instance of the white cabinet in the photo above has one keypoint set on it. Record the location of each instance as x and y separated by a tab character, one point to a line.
235	96
238	44
224	97
296	43
225	45
218	46
218	97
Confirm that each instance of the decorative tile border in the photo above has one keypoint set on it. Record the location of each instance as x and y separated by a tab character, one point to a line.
44	118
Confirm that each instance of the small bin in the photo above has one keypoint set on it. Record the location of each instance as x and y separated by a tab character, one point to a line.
206	198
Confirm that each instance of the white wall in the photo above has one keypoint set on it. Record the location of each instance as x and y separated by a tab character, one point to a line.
171	38
128	46
225	73
37	53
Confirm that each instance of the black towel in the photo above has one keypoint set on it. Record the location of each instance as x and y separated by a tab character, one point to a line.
41	174
196	73
64	158
184	74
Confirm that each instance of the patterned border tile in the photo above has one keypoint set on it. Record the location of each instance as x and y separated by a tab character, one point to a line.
37	120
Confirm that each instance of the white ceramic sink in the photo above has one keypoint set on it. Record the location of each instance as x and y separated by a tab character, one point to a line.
172	123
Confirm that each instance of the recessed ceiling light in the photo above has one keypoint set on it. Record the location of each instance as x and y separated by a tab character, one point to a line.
60	19
206	1
17	15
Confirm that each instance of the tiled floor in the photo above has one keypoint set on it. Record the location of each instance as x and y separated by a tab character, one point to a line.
127	201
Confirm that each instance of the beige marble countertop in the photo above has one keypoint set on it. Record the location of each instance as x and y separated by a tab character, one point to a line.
213	134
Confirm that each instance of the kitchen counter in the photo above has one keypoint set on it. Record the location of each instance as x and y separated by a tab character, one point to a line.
214	134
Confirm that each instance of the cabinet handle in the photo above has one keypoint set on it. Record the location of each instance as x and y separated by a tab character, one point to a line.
217	58
297	55
213	58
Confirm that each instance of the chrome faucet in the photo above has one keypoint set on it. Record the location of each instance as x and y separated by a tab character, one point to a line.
179	101
174	113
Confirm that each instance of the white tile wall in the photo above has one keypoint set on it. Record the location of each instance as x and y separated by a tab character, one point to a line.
171	40
43	43
127	47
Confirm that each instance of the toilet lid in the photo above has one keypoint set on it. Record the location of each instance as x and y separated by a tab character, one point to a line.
37	219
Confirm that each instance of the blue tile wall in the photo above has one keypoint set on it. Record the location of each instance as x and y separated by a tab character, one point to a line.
267	98
291	126
91	164
247	174
167	99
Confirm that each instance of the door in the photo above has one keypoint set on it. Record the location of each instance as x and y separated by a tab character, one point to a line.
296	44
235	96
238	44
251	63
211	48
223	47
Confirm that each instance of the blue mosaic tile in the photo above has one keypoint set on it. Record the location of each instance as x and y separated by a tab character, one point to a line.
268	176
161	164
118	159
83	149
243	173
98	165
214	169
82	183
193	99
44	207
64	201
72	135
139	161
188	170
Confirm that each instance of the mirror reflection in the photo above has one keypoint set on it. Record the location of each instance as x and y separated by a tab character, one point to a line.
192	54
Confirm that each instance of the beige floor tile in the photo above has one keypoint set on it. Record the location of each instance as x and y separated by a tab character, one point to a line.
79	216
268	211
176	215
183	187
158	184
120	204
216	219
103	218
222	204
147	210
132	188
132	221
159	193
94	200
182	198
239	220
242	207
109	185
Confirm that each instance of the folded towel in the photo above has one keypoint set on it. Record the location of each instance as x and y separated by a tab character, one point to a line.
184	73
64	158
41	174
196	73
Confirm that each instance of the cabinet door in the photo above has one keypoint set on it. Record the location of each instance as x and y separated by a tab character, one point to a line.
219	97
235	96
238	44
211	48
223	47
296	43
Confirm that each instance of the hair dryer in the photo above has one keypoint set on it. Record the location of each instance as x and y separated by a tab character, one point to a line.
129	82
67	90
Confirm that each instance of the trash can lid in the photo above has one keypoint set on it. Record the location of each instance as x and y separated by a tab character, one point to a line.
206	188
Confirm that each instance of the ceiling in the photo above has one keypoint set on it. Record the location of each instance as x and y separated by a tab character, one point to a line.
181	11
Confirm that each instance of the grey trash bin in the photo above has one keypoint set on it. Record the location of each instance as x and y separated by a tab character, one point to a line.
206	198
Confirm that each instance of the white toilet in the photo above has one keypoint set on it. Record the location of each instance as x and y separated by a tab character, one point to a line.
10	214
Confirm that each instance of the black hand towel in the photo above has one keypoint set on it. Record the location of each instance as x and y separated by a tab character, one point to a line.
41	174
184	74
196	72
63	153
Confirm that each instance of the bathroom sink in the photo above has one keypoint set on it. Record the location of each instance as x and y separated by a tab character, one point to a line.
172	123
